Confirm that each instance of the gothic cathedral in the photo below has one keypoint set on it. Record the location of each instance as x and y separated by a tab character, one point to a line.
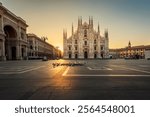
85	42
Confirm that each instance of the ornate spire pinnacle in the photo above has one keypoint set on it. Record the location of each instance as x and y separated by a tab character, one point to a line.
89	20
92	21
64	33
98	28
106	33
129	44
72	29
79	21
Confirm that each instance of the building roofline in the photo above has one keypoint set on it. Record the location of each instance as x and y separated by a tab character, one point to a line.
34	35
12	14
133	47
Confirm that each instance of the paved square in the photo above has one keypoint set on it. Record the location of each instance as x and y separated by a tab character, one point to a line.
96	79
109	70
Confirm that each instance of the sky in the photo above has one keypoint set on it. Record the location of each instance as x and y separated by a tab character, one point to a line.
126	20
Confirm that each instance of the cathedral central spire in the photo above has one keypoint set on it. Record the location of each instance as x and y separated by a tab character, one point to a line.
80	21
91	21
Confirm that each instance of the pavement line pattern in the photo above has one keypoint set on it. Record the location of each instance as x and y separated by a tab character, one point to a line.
106	75
66	71
20	71
144	66
102	75
31	69
103	68
143	71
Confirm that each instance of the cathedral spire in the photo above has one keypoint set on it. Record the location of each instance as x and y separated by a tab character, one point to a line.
80	21
92	21
72	29
129	44
64	33
98	29
106	33
89	20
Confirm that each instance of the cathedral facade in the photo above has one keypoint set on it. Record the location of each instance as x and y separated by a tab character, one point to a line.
86	42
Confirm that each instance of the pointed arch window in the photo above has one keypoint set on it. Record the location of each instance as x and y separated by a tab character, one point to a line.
94	47
85	33
85	43
95	41
69	47
76	42
76	48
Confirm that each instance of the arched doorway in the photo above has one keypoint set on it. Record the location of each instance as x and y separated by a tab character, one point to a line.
70	55
10	43
95	55
102	54
85	55
76	56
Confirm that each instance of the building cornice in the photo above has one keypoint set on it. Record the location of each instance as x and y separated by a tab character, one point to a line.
35	36
9	13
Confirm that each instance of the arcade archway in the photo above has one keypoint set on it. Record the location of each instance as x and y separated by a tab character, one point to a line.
10	42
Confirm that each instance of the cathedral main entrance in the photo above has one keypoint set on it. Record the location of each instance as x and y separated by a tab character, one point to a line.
76	56
85	55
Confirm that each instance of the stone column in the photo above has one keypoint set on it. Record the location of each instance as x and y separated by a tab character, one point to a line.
18	51
26	53
1	23
3	57
3	50
91	52
2	37
80	43
73	47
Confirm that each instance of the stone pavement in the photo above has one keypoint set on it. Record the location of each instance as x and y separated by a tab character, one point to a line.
96	80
